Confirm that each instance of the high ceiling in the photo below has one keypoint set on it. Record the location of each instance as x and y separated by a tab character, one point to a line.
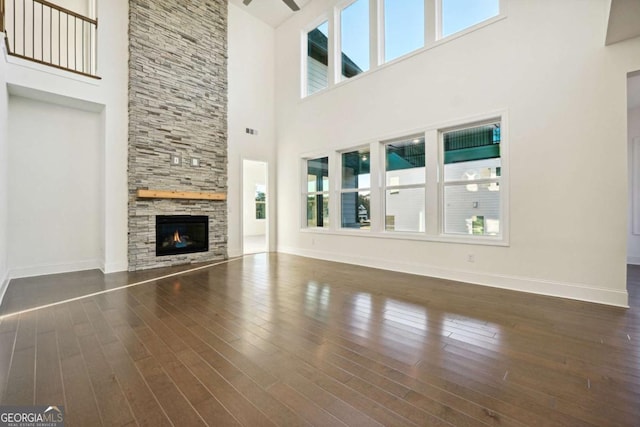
272	12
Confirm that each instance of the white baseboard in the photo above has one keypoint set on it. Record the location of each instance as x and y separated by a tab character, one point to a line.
113	267
635	260
41	270
574	291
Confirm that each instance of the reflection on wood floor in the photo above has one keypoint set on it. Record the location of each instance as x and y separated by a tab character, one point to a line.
276	339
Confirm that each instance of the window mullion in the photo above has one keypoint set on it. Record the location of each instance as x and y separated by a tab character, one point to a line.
473	181
377	187
432	195
375	34
404	187
333	47
431	21
380	32
335	177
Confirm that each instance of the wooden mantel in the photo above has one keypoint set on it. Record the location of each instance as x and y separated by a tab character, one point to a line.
144	193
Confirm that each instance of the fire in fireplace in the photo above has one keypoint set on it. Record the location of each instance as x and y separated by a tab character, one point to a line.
181	234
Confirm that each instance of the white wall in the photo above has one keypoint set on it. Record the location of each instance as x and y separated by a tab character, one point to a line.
633	242
82	7
54	182
108	97
565	94
251	105
4	166
254	174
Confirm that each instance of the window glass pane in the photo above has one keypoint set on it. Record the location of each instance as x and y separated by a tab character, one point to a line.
403	27
355	169
355	38
404	209
356	209
472	209
318	210
460	14
472	153
405	162
261	212
471	171
318	58
318	174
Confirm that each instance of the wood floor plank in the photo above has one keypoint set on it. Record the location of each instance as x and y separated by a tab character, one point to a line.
48	387
300	404
8	331
173	403
81	403
273	409
146	409
111	401
241	409
22	375
205	404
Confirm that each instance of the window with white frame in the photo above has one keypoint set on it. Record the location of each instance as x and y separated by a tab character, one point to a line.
355	191
354	39
404	185
318	58
372	33
443	184
471	184
317	192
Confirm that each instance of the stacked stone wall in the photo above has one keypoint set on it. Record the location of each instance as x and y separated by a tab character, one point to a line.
177	108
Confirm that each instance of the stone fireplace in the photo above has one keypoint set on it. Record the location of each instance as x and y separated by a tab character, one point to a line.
177	127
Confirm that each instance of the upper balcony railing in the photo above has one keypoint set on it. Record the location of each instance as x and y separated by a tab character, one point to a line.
48	34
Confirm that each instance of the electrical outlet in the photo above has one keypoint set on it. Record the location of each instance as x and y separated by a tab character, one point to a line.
175	160
471	258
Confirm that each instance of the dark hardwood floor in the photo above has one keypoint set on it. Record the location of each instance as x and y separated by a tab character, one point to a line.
27	293
284	340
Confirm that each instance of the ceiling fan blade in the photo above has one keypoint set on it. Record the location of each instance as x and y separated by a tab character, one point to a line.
292	5
246	2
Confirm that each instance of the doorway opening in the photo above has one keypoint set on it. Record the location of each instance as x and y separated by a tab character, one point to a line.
254	207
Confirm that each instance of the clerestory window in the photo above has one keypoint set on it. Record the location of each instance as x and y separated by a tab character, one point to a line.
370	33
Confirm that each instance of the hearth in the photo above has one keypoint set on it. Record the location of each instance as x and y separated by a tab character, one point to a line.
181	234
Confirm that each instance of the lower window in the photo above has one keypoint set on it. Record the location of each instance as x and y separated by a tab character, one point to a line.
405	185
471	193
317	195
442	184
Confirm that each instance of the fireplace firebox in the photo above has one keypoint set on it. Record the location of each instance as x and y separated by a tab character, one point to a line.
181	234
